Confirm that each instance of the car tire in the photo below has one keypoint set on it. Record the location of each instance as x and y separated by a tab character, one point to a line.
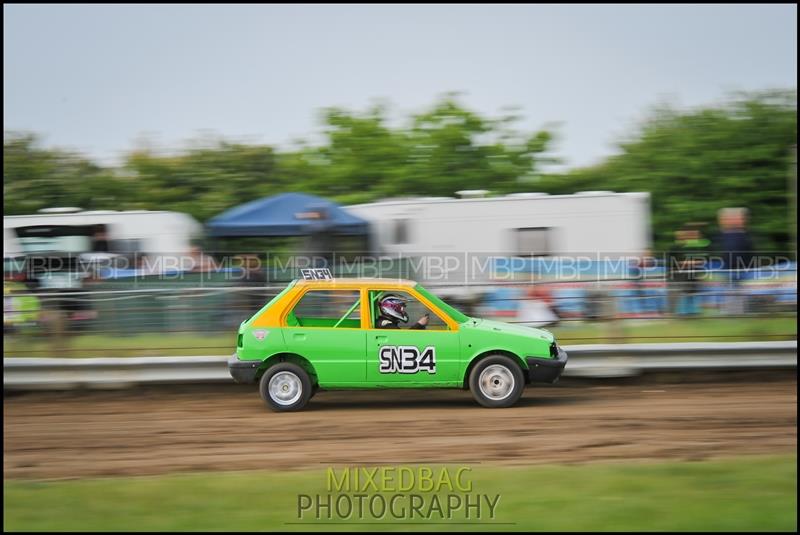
497	381
285	387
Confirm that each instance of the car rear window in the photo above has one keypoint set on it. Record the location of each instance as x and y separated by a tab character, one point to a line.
328	308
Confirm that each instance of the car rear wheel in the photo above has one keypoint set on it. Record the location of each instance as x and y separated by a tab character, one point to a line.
285	387
496	381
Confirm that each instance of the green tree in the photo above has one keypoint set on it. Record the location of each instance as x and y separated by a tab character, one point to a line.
696	162
36	178
452	148
363	157
692	162
205	181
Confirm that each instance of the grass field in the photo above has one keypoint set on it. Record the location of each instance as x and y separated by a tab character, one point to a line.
678	330
751	494
568	333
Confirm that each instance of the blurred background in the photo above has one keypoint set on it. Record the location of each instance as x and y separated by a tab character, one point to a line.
616	174
145	212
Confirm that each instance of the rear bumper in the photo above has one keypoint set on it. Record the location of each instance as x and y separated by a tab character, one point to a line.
243	371
544	370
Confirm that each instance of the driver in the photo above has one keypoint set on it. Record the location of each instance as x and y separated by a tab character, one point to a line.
393	311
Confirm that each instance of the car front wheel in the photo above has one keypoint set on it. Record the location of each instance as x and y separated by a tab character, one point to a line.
496	381
285	387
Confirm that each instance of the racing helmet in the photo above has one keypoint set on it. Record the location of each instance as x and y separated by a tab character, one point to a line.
393	306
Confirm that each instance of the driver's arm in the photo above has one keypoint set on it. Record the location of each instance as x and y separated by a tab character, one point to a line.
422	323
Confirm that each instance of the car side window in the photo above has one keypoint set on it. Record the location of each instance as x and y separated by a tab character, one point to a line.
327	308
414	308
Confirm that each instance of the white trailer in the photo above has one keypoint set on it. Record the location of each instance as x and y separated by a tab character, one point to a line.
70	231
522	224
451	241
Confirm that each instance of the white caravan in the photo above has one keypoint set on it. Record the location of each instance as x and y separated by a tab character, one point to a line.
586	223
138	231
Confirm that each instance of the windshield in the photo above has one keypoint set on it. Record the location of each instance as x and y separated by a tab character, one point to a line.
70	239
62	244
458	316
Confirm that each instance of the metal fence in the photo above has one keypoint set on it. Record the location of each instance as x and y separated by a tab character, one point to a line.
592	361
174	317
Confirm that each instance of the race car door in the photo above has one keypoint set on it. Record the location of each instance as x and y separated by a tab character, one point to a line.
325	327
412	357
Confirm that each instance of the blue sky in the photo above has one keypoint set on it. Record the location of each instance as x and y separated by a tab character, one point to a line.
101	79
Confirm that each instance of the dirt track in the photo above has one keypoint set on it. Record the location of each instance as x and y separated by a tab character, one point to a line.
156	430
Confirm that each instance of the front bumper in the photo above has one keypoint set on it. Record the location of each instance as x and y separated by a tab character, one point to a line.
544	370
243	371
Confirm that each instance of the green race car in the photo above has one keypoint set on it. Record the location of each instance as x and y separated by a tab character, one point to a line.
349	333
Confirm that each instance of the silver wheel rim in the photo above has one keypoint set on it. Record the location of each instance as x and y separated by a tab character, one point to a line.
496	382
285	388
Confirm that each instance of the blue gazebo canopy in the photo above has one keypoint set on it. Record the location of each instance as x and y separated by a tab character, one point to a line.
286	214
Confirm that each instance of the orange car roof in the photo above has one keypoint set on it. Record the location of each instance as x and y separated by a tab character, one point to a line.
332	283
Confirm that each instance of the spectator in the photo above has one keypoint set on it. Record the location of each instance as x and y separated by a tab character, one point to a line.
686	261
734	245
199	261
100	239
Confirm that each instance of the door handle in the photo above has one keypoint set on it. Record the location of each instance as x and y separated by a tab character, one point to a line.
381	338
299	336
